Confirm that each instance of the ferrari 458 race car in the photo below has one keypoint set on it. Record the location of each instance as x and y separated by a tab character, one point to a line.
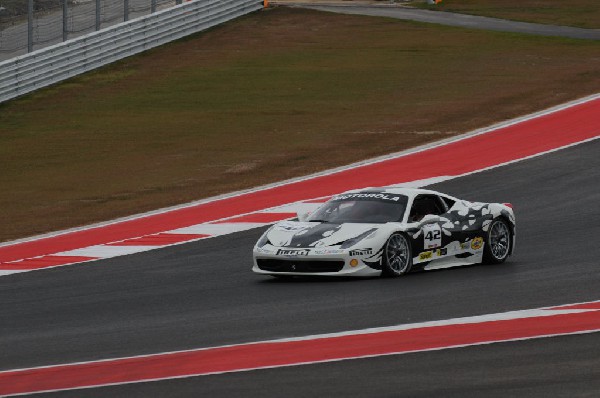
387	231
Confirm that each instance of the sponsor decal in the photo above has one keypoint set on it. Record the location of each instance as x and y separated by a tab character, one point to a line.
378	196
328	251
293	252
432	236
464	245
262	250
361	252
477	243
425	255
442	252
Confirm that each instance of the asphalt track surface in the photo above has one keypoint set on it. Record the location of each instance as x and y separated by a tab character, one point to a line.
203	294
460	20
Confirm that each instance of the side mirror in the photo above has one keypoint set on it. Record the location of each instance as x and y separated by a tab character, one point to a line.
303	216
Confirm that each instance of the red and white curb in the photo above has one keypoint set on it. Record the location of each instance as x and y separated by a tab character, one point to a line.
159	240
366	343
506	143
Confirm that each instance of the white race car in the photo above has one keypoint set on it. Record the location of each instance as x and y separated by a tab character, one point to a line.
387	231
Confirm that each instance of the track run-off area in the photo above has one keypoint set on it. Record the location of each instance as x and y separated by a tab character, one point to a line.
530	136
116	318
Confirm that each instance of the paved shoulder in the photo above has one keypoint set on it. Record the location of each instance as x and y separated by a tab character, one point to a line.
462	20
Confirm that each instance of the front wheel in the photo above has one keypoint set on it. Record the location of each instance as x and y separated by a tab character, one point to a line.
498	242
397	258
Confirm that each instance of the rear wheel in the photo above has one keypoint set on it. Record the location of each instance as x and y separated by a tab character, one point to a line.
397	258
497	247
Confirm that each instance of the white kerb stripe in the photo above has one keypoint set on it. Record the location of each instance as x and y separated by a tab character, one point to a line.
12	271
218	229
105	251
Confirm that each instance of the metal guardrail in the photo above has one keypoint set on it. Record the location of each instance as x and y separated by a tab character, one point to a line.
53	64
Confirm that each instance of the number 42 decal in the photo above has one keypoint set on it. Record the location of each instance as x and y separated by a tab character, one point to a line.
432	235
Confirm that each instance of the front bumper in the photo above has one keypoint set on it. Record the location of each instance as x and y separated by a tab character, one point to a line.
299	262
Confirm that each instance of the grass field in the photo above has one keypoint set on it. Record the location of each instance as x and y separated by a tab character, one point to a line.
273	95
580	13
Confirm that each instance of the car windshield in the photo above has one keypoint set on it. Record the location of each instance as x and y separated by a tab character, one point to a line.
366	207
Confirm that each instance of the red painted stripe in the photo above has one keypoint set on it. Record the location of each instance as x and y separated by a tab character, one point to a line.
44	262
158	240
528	138
259	218
286	353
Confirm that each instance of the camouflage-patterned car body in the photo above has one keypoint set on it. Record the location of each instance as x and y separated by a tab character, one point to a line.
454	238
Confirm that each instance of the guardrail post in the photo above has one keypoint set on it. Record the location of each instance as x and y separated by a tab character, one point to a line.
153	6
126	10
29	26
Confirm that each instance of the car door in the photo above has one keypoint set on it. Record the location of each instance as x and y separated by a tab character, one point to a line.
427	212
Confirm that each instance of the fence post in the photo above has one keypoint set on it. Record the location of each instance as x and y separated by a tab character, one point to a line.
126	10
29	26
153	6
65	15
97	14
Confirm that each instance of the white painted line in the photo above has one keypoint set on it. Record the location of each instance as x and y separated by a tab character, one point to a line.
218	229
500	316
523	158
425	182
488	318
11	271
325	172
105	251
367	356
503	316
102	251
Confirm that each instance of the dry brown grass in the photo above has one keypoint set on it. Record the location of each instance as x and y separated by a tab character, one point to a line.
274	95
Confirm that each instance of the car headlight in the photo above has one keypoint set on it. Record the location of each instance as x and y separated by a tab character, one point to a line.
264	239
351	242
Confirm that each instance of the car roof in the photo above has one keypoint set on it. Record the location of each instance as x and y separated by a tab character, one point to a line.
395	189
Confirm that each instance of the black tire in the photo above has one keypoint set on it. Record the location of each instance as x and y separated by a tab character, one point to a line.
498	242
397	256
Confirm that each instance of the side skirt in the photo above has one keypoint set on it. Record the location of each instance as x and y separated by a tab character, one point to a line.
453	261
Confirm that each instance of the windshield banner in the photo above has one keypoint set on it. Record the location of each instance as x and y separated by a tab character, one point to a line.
369	196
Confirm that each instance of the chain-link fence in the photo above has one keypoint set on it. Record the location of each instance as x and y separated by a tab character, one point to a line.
28	25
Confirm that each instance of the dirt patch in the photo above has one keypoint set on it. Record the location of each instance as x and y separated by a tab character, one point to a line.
274	95
242	168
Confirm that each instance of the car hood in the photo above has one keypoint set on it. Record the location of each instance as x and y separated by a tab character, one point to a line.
312	234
